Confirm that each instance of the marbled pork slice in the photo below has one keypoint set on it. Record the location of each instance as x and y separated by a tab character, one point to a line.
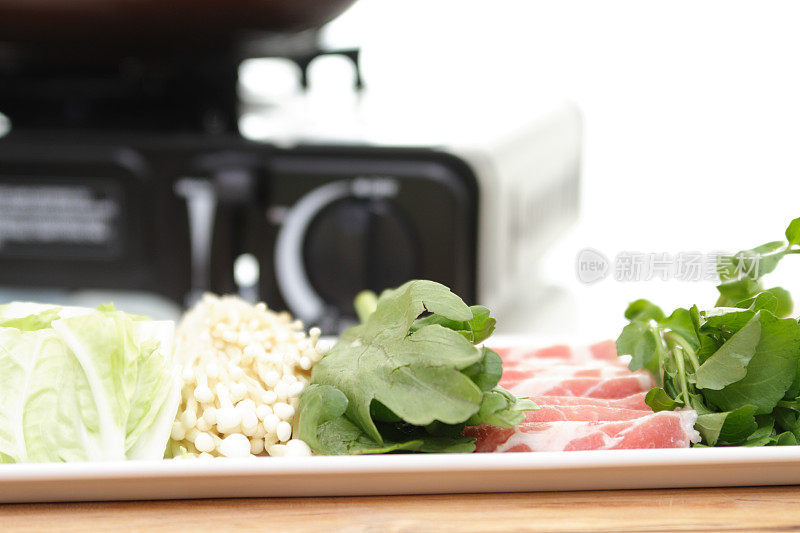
634	401
541	369
611	387
583	413
665	429
601	351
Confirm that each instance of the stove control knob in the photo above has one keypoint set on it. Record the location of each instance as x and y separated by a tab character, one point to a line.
339	239
356	244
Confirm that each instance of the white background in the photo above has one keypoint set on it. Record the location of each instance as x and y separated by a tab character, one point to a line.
691	115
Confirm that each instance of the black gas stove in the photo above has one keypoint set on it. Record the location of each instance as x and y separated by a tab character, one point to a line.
124	171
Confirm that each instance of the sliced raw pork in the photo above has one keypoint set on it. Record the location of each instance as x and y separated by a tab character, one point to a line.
634	401
612	387
665	429
601	351
562	370
588	400
583	413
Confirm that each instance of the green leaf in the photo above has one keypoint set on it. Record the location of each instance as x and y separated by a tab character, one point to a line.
793	232
500	408
381	413
341	437
323	426
708	347
753	263
794	389
776	300
682	323
408	438
770	371
764	435
727	428
670	386
658	400
785	304
475	330
639	341
736	290
418	376
729	363
697	402
787	420
694	313
643	310
481	325
765	258
487	372
319	405
763	300
725	321
398	308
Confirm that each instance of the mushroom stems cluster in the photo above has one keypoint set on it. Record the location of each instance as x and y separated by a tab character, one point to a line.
243	368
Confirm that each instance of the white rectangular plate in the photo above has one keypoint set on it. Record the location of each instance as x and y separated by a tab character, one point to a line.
400	474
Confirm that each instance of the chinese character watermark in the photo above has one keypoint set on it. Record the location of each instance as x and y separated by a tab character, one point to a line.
593	266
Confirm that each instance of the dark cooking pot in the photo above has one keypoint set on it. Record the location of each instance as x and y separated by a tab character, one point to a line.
130	23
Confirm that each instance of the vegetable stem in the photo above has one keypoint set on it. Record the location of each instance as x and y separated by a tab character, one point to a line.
680	341
788	405
365	303
660	354
676	351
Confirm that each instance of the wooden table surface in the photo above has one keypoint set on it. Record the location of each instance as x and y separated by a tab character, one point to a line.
729	509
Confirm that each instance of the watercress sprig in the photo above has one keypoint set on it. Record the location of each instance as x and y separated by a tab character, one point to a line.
736	364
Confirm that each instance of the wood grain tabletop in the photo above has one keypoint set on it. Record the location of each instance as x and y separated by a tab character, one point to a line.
675	510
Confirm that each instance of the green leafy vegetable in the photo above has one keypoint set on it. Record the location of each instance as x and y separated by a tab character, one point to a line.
643	310
409	378
486	373
476	330
729	363
639	340
323	426
658	399
738	363
79	384
730	427
793	232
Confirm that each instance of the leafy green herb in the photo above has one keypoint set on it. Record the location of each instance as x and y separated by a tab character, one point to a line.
409	378
729	427
738	363
476	330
